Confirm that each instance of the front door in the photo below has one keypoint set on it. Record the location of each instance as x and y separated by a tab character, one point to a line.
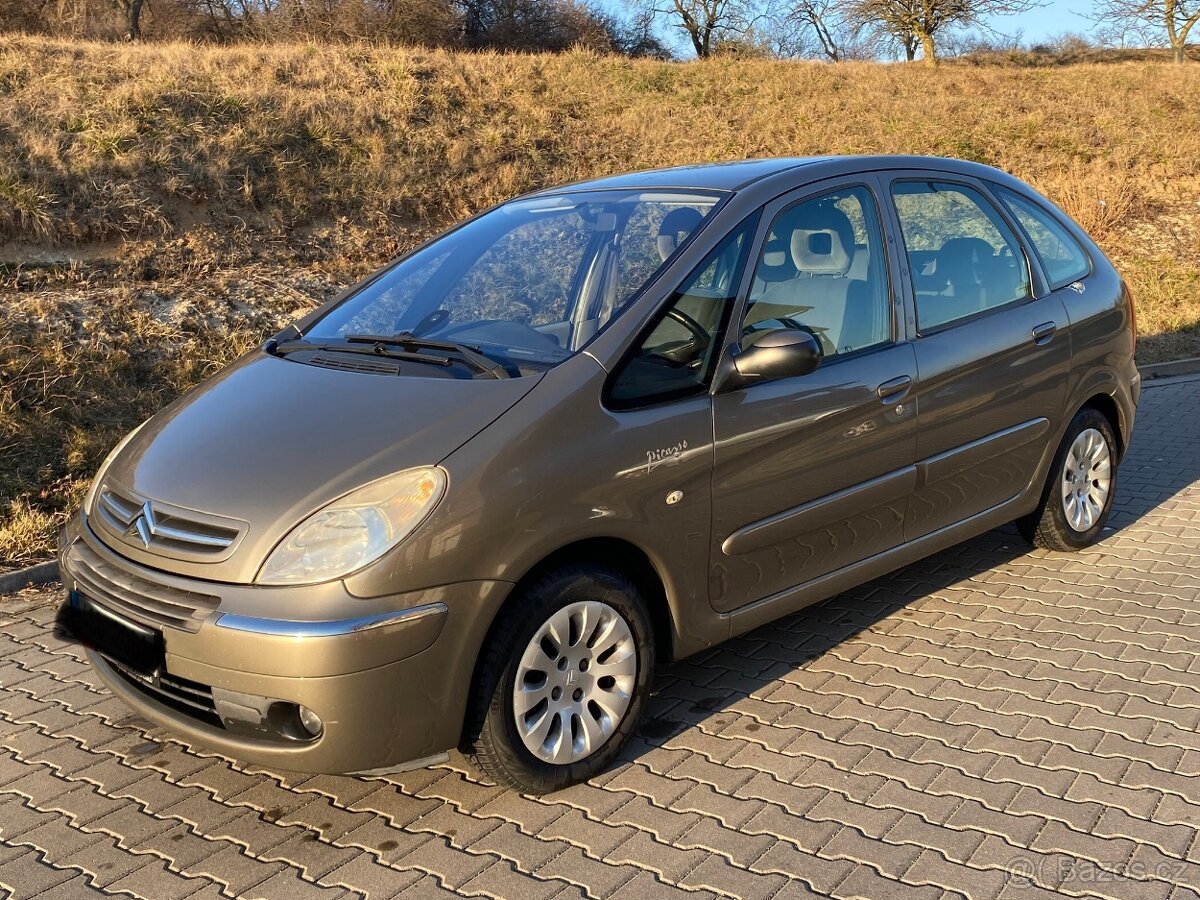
993	359
813	473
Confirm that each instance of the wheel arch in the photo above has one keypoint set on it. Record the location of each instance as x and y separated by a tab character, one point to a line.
616	553
1107	406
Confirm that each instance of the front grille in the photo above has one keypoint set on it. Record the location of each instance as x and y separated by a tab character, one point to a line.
188	697
131	595
156	527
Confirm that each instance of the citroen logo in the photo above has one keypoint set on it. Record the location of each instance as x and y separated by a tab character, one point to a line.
145	525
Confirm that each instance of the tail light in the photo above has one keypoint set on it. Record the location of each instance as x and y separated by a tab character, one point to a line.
1132	316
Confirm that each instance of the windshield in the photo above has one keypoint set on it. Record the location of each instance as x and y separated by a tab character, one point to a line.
529	283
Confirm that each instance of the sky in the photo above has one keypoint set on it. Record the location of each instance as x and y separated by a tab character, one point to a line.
1052	19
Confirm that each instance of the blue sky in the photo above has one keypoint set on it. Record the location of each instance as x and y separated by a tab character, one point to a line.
1053	19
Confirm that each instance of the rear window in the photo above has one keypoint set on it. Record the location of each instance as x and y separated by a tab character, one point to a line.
1063	259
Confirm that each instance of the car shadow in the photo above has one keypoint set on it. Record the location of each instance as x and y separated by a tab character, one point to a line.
1163	459
753	660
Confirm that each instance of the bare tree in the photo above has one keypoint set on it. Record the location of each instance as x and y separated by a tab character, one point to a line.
811	28
131	10
815	13
706	23
923	21
820	29
1148	18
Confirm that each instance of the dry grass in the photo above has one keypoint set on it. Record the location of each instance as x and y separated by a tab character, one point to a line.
195	197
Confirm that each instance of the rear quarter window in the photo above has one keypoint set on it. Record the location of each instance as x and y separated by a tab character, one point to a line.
1063	259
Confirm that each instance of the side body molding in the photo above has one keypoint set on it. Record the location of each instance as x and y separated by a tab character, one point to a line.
952	462
822	512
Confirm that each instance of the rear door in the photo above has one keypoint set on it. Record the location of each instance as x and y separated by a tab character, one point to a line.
812	473
992	358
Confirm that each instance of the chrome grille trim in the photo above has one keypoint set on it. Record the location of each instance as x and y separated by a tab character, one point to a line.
160	528
114	507
136	597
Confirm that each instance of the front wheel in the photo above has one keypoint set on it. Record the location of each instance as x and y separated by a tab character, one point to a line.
562	680
1078	496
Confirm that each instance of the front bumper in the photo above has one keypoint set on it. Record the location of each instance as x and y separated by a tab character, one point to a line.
389	677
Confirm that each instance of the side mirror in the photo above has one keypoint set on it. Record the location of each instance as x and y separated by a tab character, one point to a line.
782	353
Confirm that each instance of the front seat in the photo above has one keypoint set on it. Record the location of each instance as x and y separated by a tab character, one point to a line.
820	241
675	228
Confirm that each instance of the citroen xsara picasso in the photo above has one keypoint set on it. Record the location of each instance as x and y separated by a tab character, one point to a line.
469	503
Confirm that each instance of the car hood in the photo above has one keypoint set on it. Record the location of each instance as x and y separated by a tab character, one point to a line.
269	441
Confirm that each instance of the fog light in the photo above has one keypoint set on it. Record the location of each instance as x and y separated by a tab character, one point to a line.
311	721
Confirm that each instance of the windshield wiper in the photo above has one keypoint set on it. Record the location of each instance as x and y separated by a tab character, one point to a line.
411	343
282	348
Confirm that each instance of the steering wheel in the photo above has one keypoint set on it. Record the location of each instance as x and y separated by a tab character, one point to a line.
699	332
504	331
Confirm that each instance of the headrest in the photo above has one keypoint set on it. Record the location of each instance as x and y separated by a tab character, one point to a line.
959	256
776	264
822	240
676	226
972	248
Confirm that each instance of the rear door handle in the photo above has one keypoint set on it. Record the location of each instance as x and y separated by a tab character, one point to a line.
891	391
1044	333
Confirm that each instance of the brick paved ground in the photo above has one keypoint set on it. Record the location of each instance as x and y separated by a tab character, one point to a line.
992	722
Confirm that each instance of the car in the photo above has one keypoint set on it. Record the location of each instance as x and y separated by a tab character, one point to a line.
471	502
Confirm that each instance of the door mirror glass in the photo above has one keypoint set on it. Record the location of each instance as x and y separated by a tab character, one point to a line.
782	353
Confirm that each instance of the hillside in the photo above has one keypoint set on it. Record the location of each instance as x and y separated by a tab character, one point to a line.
163	207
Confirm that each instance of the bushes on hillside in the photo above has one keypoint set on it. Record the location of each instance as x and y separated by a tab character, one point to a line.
518	25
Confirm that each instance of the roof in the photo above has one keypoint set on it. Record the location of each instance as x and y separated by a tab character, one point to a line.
737	174
720	176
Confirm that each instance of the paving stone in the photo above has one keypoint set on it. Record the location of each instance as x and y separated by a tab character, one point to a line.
716	875
453	867
503	880
381	839
597	838
370	879
29	875
600	877
666	860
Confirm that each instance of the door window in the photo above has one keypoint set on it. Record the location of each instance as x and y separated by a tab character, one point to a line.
677	356
963	257
1062	258
822	269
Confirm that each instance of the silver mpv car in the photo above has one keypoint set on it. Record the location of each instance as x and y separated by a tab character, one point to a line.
468	503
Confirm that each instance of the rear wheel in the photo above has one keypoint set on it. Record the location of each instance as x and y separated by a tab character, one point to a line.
562	680
1078	496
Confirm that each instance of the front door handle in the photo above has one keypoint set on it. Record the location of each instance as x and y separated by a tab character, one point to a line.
1044	333
891	391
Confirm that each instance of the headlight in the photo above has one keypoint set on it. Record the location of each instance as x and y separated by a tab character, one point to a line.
355	530
90	498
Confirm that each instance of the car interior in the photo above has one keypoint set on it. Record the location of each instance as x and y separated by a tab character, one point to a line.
815	276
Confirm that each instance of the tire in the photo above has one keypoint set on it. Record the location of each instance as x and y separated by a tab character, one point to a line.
561	713
1051	526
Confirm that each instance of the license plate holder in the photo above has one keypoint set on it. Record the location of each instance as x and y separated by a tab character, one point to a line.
134	646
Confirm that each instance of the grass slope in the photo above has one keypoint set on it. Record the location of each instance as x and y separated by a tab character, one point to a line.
164	206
